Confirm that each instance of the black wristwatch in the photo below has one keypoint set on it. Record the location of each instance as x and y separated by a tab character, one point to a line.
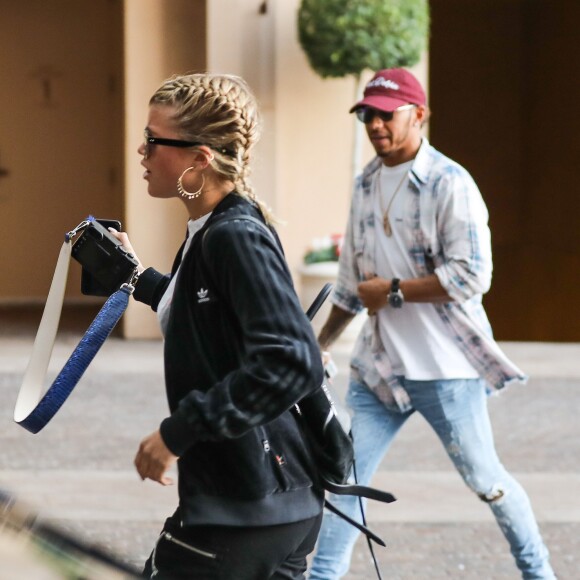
395	297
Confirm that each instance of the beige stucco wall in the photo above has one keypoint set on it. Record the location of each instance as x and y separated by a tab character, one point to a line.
313	142
302	165
161	39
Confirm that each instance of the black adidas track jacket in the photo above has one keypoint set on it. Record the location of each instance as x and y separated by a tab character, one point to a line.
239	353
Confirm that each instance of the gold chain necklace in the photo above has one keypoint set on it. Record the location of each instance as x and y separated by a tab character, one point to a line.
386	223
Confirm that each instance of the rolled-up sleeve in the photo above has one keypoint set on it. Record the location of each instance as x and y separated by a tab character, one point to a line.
464	267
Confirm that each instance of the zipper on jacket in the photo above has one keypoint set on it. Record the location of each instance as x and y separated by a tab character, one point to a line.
170	538
277	461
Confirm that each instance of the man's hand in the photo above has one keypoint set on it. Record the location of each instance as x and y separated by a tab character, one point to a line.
373	293
154	458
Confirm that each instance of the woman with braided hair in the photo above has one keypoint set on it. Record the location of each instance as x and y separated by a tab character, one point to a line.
239	352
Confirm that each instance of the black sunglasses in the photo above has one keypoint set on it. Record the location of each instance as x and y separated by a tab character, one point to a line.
367	114
149	140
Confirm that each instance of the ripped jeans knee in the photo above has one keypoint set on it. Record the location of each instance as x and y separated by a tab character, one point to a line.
495	494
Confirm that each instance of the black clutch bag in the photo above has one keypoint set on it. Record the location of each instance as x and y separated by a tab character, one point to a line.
106	265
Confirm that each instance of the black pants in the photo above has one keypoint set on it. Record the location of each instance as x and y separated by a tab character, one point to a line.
232	553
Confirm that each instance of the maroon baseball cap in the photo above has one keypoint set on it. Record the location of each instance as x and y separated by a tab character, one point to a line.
391	88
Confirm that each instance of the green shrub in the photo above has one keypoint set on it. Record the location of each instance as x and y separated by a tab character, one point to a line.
345	37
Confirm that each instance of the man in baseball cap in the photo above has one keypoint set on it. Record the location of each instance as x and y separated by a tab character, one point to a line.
417	256
393	109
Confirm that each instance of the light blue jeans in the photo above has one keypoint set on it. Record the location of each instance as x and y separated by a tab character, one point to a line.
457	412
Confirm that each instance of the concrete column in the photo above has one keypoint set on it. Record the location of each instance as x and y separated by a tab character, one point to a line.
162	38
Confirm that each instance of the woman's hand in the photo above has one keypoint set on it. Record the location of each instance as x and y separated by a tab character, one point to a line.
154	458
124	239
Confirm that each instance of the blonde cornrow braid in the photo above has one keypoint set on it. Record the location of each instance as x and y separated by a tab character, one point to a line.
221	112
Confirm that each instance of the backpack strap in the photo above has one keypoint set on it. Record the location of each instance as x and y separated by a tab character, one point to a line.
360	527
360	491
234	218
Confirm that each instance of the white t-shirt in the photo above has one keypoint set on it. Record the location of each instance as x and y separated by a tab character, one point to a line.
415	338
164	306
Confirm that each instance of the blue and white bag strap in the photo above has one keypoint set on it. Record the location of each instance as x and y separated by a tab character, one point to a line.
33	411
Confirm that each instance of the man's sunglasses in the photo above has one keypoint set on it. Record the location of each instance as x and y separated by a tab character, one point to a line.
149	140
367	114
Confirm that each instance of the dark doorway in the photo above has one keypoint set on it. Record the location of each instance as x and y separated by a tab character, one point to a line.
503	90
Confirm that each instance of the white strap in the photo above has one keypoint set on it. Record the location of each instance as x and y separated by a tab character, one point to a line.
31	390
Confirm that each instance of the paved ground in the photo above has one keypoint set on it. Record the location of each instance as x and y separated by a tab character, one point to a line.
78	471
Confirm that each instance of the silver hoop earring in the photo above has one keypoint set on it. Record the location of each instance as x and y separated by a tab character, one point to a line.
182	190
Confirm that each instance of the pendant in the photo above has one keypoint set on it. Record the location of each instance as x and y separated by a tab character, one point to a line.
387	226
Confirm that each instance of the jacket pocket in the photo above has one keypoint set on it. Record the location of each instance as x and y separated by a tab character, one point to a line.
288	454
269	459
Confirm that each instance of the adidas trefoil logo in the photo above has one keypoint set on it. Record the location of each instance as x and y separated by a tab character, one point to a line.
202	295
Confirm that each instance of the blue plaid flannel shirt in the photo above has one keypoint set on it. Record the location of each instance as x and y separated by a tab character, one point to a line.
448	235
